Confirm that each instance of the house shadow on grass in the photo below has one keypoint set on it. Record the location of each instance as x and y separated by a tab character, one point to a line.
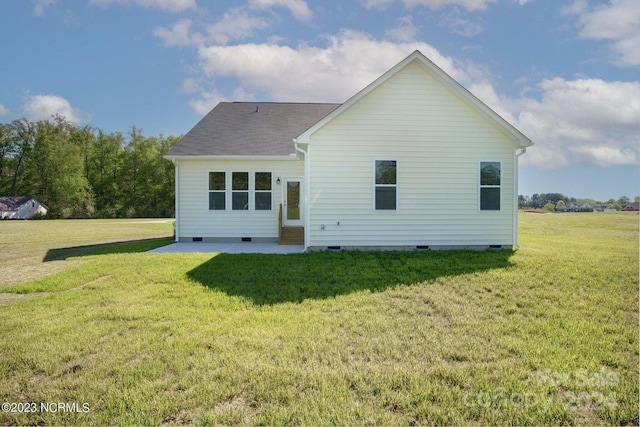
273	279
129	246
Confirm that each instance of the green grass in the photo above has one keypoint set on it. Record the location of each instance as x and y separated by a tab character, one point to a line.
31	249
545	335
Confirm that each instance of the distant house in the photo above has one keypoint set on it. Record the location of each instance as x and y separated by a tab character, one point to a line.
22	207
578	207
632	207
414	160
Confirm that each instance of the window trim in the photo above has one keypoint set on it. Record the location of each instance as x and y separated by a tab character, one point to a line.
481	186
247	191
256	191
217	191
251	191
376	185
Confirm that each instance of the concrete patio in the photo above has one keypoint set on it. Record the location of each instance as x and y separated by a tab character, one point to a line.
229	248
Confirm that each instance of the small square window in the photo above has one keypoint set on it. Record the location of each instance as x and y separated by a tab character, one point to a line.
216	201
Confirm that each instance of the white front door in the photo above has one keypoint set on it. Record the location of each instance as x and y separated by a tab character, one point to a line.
293	202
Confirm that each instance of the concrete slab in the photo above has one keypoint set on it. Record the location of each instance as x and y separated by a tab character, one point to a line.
229	248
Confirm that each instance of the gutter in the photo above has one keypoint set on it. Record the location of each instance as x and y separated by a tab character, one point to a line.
177	199
307	187
291	156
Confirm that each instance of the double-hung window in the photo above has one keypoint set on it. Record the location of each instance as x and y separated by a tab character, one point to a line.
490	186
240	191
262	191
217	191
386	185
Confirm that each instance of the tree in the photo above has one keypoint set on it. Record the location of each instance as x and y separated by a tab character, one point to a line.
624	201
549	207
6	147
24	134
560	205
82	172
105	165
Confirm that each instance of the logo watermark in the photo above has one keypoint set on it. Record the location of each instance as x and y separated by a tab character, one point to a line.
45	407
579	390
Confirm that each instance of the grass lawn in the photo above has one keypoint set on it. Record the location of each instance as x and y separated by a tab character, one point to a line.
545	335
32	249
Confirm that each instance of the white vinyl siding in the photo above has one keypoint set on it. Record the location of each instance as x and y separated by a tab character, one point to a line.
438	140
196	220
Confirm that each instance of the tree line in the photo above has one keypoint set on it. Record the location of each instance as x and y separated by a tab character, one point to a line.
83	172
558	200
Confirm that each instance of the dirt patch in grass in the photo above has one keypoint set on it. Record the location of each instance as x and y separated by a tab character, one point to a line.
6	299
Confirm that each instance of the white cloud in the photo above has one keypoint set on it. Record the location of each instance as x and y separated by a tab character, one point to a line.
235	25
298	8
585	121
470	5
618	21
166	5
40	6
460	25
405	31
206	101
42	107
178	35
4	111
350	61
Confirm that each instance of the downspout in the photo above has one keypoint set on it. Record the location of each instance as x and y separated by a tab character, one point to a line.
177	200
307	213
516	158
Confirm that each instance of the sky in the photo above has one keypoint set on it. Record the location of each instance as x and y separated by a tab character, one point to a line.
565	73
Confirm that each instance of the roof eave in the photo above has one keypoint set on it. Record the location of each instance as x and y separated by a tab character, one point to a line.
174	157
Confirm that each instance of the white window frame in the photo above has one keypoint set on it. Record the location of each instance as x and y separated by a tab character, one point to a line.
228	190
256	191
396	186
226	178
248	191
481	186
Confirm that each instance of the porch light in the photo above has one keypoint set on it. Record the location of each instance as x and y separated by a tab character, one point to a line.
278	180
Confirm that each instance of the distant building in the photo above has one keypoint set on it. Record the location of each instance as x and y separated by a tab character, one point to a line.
632	207
578	207
21	207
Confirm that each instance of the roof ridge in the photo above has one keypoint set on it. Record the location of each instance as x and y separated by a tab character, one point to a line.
284	102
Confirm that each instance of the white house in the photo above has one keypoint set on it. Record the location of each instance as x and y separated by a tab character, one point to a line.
23	207
413	160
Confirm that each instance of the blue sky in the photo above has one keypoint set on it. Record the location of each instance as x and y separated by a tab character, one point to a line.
566	73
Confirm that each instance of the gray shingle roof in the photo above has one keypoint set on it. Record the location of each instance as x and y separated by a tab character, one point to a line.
250	129
13	203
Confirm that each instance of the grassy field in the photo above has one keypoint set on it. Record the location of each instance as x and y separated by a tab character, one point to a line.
545	335
32	249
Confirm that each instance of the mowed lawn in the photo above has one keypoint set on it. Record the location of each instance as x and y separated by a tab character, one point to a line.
32	249
545	335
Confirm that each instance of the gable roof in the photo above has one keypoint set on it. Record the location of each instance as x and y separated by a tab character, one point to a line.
250	129
521	140
13	203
